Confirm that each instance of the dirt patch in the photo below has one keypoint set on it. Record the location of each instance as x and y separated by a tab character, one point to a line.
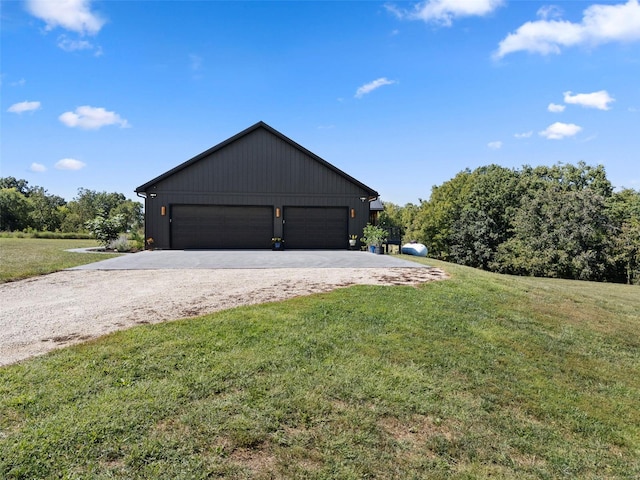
64	308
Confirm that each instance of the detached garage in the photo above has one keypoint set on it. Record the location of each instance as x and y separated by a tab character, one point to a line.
253	187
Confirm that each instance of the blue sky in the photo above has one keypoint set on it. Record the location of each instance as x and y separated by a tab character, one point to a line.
106	95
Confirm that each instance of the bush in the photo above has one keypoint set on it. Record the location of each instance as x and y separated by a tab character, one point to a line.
48	235
106	230
136	236
373	235
62	235
121	244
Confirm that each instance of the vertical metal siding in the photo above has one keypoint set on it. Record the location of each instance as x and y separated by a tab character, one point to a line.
259	163
257	169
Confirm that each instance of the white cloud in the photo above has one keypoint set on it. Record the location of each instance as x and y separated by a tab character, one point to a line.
92	118
559	130
37	167
600	24
69	164
495	145
22	107
523	135
73	15
371	86
19	83
540	37
599	100
69	45
443	12
549	11
555	108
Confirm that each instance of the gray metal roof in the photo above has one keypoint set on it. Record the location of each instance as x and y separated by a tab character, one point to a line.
376	205
143	188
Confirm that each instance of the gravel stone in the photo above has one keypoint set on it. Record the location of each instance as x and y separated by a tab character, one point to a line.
52	311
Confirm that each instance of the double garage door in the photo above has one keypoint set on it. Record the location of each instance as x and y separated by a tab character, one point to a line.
216	226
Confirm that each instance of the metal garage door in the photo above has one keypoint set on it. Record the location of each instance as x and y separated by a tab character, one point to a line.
316	227
215	226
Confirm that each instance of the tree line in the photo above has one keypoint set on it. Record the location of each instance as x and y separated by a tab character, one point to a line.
563	221
32	208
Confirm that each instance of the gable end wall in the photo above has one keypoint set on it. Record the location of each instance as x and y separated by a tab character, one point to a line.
258	169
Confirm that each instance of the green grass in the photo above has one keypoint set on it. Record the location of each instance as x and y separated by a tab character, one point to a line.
25	257
478	376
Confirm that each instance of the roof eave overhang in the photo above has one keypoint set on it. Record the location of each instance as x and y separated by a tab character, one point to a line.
151	183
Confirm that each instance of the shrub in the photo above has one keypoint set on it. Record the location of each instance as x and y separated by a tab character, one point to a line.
106	230
47	235
373	235
121	244
136	236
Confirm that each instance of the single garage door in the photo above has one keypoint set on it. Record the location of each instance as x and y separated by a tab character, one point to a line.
316	227
215	226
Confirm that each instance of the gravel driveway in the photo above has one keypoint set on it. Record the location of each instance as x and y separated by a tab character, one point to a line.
64	308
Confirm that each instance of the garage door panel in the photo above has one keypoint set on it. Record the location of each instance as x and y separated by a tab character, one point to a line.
215	226
316	227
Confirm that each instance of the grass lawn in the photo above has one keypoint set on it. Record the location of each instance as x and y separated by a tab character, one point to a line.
25	257
479	376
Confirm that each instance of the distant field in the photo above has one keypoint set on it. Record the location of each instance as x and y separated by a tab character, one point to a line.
479	376
26	257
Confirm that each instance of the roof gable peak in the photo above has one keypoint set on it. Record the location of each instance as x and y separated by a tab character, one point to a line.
259	125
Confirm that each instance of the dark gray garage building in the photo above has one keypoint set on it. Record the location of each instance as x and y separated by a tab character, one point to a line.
250	188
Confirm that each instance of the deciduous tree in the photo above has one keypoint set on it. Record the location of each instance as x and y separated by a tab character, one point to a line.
14	210
559	233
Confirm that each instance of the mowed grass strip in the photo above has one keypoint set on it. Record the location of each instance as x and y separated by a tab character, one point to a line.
478	376
27	257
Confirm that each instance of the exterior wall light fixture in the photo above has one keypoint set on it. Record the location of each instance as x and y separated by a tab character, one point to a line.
353	213
277	212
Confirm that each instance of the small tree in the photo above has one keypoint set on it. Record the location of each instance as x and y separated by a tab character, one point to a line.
373	235
106	230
